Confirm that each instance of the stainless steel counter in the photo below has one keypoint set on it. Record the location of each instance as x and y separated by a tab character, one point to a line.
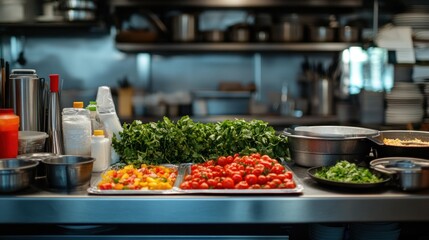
316	204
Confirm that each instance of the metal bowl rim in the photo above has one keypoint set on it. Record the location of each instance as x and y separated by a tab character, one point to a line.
32	164
86	160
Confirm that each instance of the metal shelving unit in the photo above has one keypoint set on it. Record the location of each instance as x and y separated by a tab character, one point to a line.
238	4
232	47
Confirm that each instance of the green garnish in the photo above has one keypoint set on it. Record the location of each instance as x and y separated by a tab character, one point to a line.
347	172
186	141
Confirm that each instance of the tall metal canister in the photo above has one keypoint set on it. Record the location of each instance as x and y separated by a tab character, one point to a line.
25	96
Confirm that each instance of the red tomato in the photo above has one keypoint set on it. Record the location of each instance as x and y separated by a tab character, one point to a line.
242	185
237	178
195	185
219	185
271	176
255	186
277	181
288	175
251	179
257	171
290	184
228	183
281	176
262	179
188	177
212	183
272	184
185	185
229	159
221	161
204	185
277	168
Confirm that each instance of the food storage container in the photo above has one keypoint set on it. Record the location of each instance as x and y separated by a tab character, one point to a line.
409	174
16	174
31	141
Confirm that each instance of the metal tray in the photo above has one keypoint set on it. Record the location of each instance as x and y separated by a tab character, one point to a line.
93	189
185	169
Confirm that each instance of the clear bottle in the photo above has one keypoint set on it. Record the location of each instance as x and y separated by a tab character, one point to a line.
100	150
76	125
95	120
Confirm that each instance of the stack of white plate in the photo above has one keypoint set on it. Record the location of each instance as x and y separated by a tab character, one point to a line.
404	104
374	231
413	19
326	231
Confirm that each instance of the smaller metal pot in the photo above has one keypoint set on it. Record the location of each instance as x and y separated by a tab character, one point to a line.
348	34
321	34
239	33
409	174
287	32
213	36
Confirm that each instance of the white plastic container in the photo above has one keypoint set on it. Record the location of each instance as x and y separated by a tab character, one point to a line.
100	150
77	130
108	117
31	141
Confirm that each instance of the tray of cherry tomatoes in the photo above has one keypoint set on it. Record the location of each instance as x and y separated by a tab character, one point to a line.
249	174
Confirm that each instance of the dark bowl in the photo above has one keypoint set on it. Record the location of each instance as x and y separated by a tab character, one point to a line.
382	150
68	171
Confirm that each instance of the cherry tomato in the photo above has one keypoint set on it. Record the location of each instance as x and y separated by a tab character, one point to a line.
221	161
251	179
242	185
255	186
228	183
237	178
288	175
262	179
204	185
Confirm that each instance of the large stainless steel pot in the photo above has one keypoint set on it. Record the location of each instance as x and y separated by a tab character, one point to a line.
409	174
325	145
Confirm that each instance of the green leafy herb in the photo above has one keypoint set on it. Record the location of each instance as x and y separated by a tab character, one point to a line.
344	171
185	141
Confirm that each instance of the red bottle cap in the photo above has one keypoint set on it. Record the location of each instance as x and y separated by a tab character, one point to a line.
54	80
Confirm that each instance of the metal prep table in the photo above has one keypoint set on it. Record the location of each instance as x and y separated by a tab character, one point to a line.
316	204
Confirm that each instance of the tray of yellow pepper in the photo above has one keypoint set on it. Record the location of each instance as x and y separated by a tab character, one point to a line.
128	179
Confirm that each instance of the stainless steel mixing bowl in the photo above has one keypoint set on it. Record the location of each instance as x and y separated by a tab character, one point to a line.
312	146
68	171
16	174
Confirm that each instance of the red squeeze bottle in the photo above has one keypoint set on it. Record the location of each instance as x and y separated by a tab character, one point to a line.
9	125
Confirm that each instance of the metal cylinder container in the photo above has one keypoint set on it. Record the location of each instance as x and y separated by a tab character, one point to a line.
184	27
25	96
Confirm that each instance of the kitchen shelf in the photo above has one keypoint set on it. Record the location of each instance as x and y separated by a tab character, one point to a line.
237	4
232	47
56	28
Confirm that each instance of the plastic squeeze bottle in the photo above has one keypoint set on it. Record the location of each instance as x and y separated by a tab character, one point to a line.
100	150
9	125
95	120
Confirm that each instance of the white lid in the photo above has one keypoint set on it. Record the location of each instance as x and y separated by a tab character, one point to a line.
31	135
